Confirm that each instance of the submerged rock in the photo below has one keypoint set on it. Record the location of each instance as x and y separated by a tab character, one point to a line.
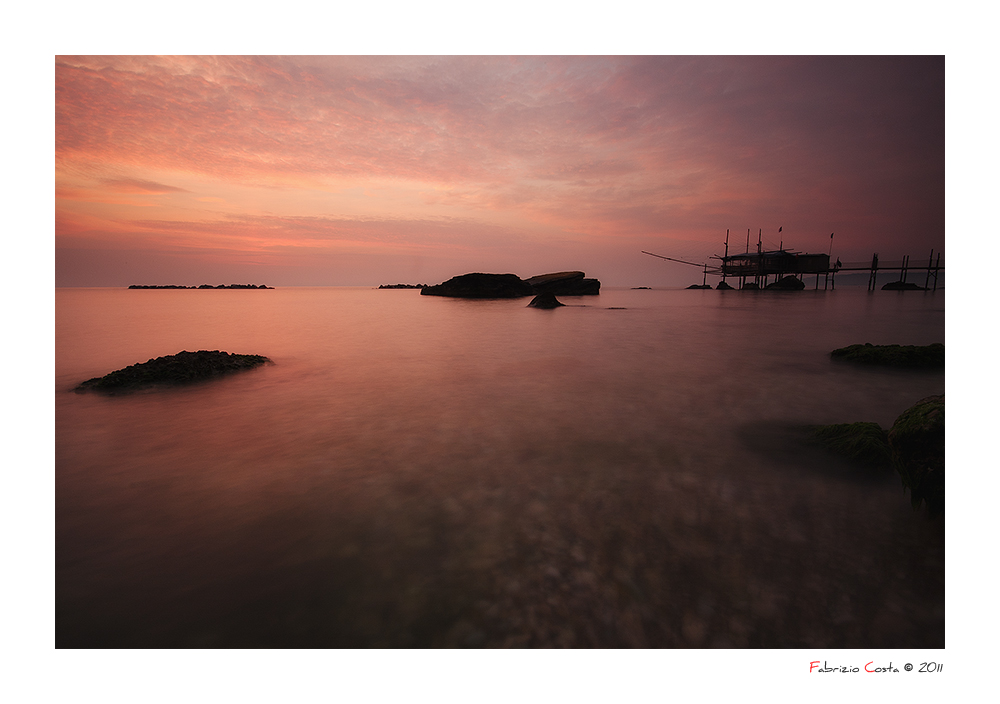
545	300
565	283
481	286
917	442
863	443
173	370
902	286
786	283
900	356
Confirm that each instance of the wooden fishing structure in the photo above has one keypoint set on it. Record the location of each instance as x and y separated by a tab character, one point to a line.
754	270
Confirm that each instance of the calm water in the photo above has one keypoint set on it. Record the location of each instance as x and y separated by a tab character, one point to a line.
421	471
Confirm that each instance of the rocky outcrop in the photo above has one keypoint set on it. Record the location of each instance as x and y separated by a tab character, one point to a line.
481	286
917	442
565	283
723	286
545	300
173	370
785	283
863	443
694	286
899	356
403	286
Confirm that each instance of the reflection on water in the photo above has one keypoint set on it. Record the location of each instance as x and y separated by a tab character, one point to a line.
418	471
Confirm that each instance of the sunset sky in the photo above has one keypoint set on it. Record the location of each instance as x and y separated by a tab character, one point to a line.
368	170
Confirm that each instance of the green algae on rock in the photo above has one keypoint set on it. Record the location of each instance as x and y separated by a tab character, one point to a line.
900	356
173	370
864	443
917	442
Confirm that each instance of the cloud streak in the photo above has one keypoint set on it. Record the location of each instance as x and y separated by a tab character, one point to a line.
587	149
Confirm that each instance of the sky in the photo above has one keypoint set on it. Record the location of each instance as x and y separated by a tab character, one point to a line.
356	171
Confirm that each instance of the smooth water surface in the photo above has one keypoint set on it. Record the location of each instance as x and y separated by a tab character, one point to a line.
422	471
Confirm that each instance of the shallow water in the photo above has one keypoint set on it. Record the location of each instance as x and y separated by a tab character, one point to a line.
422	471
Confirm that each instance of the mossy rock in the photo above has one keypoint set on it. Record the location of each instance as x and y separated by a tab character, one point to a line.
863	443
173	370
900	356
917	442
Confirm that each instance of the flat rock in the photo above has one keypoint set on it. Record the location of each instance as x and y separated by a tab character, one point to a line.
902	286
565	283
899	356
172	370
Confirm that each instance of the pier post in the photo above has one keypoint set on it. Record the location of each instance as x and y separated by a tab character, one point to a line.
873	275
937	267
930	261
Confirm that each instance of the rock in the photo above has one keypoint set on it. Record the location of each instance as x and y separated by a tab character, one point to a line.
750	287
723	286
545	300
565	283
403	286
899	356
481	286
173	370
901	286
863	443
917	442
786	283
692	286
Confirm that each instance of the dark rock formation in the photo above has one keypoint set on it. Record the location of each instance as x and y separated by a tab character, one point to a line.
173	370
723	286
403	286
863	443
565	283
917	442
640	288
901	286
786	283
699	286
750	287
900	356
545	300
481	286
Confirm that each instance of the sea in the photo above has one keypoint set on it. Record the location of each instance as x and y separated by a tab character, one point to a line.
631	470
